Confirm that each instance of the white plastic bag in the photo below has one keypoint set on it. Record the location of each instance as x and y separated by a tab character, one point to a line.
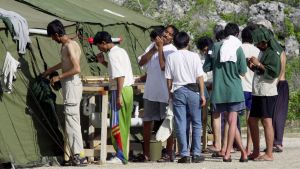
166	128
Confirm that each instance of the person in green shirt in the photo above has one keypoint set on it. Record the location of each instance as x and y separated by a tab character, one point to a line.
227	63
267	69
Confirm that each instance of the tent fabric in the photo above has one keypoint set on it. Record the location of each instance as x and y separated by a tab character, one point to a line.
24	139
102	12
35	18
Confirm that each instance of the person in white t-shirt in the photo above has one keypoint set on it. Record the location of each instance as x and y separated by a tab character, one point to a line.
183	70
121	80
250	51
156	93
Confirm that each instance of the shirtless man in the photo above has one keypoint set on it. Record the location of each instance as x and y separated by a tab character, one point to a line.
71	88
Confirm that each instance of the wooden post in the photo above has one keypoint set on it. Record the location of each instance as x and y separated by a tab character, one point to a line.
104	113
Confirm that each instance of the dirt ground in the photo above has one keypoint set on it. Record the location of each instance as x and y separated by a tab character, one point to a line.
289	159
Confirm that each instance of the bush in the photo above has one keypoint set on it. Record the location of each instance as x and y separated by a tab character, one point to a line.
289	26
239	19
294	105
293	77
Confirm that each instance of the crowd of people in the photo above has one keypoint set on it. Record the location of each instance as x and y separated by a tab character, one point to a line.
247	76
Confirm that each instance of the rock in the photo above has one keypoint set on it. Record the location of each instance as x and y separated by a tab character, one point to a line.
225	7
292	46
119	2
175	8
271	11
295	18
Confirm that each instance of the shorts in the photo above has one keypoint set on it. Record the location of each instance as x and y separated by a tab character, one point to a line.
154	110
248	100
262	106
230	107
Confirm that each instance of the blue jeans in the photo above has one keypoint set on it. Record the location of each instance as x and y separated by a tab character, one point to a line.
187	102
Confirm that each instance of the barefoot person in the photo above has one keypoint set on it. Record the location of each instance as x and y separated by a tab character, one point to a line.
227	63
250	51
267	70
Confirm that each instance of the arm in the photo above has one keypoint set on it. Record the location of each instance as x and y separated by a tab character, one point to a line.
169	84
101	59
160	43
52	69
241	62
283	63
201	86
147	56
141	79
120	82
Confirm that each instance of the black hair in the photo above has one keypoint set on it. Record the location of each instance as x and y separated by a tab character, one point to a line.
175	30
158	31
102	36
181	40
55	27
203	42
247	35
220	35
231	29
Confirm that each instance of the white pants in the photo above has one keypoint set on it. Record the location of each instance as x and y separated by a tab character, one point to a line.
72	93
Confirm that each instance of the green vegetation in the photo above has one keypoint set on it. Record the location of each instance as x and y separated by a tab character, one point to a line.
240	19
287	10
298	36
289	27
293	77
294	105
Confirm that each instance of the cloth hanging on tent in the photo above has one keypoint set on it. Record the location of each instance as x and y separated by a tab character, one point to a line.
20	26
9	69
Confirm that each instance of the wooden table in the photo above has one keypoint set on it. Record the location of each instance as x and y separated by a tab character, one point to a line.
100	89
95	85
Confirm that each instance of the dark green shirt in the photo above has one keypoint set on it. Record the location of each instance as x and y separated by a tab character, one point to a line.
227	87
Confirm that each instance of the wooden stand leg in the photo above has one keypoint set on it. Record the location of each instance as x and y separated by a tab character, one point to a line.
104	113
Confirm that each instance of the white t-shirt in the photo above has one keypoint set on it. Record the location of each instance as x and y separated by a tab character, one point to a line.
249	51
183	67
156	84
119	65
262	86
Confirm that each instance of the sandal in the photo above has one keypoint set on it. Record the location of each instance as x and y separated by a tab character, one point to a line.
277	149
141	158
165	158
216	155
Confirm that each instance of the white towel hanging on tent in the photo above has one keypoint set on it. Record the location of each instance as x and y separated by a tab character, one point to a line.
20	28
8	72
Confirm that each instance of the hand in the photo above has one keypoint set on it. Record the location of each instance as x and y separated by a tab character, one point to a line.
119	103
46	73
137	80
203	101
54	79
254	61
159	42
100	57
170	96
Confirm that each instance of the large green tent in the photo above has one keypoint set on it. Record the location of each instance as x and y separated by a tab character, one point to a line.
25	139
